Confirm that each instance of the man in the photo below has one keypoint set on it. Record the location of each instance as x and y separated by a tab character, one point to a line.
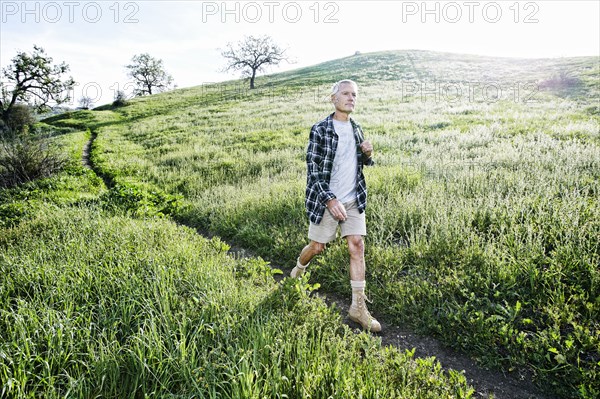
336	193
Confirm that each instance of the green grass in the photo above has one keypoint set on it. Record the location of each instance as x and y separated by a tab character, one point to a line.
103	296
117	307
483	212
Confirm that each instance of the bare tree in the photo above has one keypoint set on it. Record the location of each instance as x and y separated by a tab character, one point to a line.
252	55
86	102
148	74
32	79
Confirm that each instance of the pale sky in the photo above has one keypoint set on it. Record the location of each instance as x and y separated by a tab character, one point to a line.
98	38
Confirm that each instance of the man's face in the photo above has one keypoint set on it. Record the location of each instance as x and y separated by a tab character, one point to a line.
345	99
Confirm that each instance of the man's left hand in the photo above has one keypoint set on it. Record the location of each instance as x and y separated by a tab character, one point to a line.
367	148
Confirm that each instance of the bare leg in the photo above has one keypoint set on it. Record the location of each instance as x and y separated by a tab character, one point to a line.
356	248
308	252
358	311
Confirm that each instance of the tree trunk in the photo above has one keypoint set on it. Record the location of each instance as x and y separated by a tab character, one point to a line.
6	112
252	79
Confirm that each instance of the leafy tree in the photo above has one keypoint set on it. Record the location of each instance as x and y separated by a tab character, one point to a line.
120	99
34	80
148	74
252	55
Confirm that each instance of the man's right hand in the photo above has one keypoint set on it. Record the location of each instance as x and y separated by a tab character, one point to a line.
337	209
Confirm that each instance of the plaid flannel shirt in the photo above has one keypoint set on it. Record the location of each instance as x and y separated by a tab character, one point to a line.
322	144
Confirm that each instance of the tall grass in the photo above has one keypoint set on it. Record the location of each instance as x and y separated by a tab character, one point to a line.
99	297
483	216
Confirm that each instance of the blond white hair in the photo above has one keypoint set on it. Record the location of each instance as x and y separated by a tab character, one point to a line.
336	86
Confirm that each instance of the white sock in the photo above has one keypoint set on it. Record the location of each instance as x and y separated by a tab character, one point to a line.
300	265
358	289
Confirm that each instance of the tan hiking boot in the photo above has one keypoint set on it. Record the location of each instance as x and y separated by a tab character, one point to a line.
298	270
360	314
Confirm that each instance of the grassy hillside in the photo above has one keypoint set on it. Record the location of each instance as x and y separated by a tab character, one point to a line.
483	212
102	296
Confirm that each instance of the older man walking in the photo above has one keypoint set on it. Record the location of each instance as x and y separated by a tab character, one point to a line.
336	193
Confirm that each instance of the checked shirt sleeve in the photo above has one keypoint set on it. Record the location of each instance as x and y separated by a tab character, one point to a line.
319	167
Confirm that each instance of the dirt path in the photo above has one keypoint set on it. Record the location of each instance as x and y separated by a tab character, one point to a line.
487	383
87	161
87	149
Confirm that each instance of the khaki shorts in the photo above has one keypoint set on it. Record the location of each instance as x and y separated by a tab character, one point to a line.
325	231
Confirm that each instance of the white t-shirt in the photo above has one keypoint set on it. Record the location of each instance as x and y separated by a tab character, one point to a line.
343	174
